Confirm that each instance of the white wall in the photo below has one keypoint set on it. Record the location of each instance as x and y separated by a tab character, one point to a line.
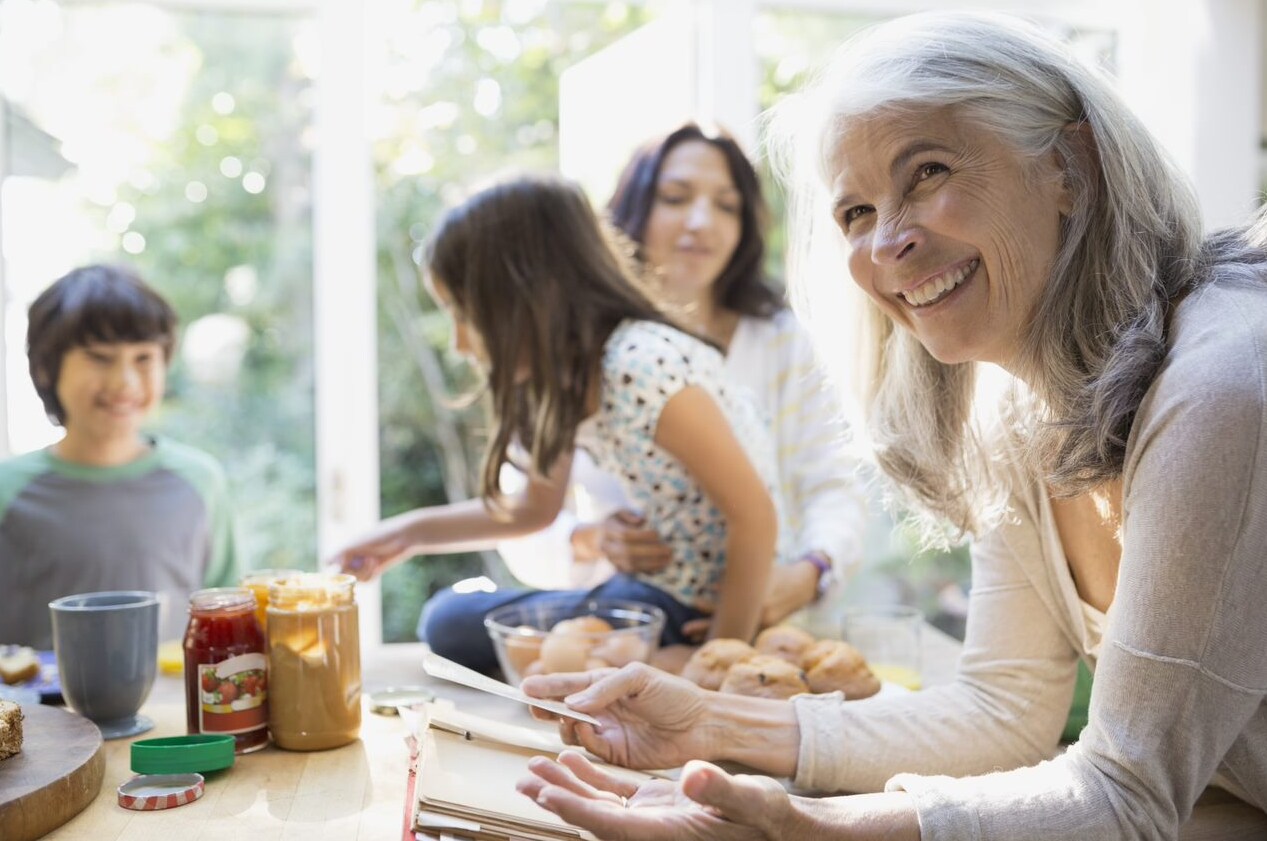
1193	71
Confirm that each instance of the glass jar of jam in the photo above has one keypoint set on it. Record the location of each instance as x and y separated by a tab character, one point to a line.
226	668
314	648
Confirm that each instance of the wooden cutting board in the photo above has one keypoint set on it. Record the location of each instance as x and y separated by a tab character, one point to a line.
57	774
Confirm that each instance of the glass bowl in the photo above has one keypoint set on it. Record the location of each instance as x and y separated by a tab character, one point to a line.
571	635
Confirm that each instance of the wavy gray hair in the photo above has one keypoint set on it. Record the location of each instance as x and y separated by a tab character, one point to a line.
1129	249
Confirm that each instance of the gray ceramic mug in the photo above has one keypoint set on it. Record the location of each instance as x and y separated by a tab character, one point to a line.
107	656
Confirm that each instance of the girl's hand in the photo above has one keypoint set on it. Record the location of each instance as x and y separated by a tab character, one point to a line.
705	803
649	719
372	555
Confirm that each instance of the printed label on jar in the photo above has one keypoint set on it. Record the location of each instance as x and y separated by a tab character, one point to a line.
234	694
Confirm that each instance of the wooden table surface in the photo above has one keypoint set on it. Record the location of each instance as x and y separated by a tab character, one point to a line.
350	793
353	793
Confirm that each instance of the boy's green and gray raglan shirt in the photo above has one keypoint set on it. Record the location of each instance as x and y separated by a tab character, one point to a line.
160	523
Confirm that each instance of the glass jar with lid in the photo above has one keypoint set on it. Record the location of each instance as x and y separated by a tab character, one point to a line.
258	582
226	668
314	650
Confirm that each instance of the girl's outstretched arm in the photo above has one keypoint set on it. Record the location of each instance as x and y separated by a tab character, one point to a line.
465	526
693	429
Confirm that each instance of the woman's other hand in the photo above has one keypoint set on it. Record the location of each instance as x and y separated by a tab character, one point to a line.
648	718
792	587
705	803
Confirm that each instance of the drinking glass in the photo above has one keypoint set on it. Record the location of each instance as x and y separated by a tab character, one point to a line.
889	637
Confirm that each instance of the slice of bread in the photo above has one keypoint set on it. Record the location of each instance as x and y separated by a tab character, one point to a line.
10	729
18	664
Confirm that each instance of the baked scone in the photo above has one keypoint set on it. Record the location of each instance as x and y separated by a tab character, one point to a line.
10	729
765	676
18	663
832	665
785	642
709	664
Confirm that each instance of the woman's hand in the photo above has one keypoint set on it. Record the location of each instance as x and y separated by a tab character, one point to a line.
627	543
648	719
705	803
792	587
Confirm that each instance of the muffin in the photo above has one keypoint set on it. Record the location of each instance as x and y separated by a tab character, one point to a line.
765	676
833	665
708	665
785	642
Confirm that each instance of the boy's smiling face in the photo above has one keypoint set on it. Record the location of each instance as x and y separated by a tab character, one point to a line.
108	389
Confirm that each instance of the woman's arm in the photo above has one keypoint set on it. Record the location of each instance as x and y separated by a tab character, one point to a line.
1012	689
693	429
457	527
1182	677
821	481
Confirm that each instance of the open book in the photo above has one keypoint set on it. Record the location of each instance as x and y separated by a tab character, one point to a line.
466	770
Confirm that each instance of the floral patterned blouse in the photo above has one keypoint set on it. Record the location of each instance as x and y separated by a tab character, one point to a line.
644	365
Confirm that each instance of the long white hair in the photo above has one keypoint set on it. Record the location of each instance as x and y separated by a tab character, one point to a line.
1129	248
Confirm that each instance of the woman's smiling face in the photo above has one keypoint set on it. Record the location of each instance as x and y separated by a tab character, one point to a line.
950	231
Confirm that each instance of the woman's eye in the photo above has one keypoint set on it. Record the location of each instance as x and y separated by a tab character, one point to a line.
852	214
671	199
729	207
928	170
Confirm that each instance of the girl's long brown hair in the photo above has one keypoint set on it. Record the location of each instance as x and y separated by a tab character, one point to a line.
544	283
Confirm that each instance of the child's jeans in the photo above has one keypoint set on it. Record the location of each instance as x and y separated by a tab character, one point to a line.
452	624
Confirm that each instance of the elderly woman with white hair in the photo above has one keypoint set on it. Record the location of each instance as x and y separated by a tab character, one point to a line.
997	203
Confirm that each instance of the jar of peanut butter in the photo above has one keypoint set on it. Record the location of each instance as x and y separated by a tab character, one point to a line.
314	650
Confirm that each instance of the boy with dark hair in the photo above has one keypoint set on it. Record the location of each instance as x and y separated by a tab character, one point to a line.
108	507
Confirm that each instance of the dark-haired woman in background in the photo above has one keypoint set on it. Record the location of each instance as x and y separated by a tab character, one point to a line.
691	202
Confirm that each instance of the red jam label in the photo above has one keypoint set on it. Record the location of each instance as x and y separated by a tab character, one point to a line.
233	694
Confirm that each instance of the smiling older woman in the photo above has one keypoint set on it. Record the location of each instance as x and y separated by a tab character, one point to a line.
999	204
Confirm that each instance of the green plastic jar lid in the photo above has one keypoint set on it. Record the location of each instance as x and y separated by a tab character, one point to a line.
198	753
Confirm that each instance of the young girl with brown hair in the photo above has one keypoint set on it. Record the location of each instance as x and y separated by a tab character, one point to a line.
576	354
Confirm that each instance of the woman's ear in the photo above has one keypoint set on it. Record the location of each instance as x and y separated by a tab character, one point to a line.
1073	154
